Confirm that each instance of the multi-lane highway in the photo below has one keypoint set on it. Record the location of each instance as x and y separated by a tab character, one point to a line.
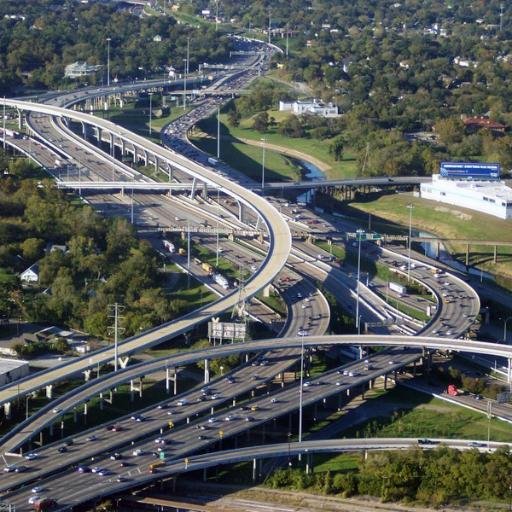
189	435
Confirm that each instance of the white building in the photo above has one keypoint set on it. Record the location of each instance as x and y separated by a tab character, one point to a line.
491	197
12	369
79	69
31	275
315	107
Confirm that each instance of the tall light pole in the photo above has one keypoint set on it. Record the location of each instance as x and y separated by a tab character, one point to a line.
301	390
216	15
218	132
150	110
3	124
410	206
359	234
263	164
108	61
185	84
505	328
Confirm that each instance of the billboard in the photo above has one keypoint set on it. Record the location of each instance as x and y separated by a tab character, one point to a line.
226	330
470	170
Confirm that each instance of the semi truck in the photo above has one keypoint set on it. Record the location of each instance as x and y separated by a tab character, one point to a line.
398	288
43	504
169	246
221	281
155	465
207	267
453	390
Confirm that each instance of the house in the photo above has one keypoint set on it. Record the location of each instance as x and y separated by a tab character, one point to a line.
314	107
465	63
157	38
473	124
31	275
80	69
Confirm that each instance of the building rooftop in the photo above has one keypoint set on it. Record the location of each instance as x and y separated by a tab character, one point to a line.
496	189
7	365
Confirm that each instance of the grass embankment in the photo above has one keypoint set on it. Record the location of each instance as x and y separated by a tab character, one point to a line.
248	159
383	273
414	414
136	118
445	221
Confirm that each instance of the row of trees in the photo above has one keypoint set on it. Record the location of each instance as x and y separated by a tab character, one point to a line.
104	261
433	477
35	49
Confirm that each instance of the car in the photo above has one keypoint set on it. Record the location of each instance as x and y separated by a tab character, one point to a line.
201	438
160	440
478	397
162	406
83	469
338	383
475	444
212	419
32	456
138	417
104	472
231	380
254	408
121	479
20	469
69	442
307	384
214	396
116	456
33	499
38	489
91	438
56	410
62	449
248	418
200	398
229	417
345	372
391	362
95	469
10	468
182	402
138	452
273	400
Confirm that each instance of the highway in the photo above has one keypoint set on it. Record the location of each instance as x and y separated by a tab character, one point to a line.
100	486
183	441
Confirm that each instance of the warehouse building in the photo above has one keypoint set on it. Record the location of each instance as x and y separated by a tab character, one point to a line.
12	369
492	197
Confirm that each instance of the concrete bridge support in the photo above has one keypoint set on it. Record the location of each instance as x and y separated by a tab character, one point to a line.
206	371
171	375
49	391
7	410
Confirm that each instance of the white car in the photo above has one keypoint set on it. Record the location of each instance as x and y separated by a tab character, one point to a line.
137	453
181	402
31	456
33	499
37	490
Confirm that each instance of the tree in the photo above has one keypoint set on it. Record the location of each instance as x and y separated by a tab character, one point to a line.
32	248
260	122
292	127
234	118
336	148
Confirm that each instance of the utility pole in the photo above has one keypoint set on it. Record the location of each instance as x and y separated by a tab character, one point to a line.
3	124
115	309
263	164
269	25
188	253
108	61
218	132
360	234
410	206
150	110
287	36
501	17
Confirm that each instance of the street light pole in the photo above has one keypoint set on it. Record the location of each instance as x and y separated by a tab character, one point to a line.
108	61
301	385
150	110
410	206
359	233
505	328
185	84
263	164
218	132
